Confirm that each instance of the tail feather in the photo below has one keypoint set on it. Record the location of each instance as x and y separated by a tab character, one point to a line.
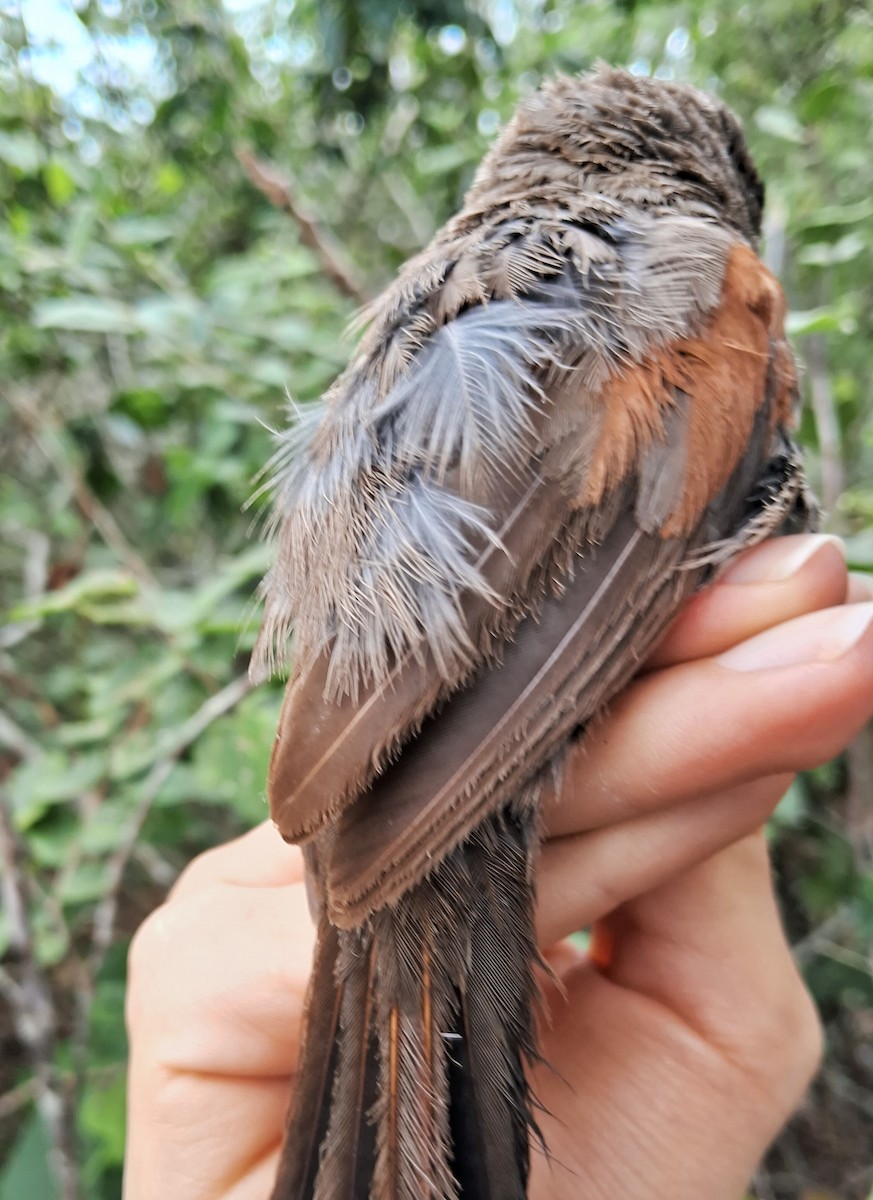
491	1104
421	1036
489	1159
310	1113
348	1150
412	1113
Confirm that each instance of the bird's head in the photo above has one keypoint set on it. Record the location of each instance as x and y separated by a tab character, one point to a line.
647	141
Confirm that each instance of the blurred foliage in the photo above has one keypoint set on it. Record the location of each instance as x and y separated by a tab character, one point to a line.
157	308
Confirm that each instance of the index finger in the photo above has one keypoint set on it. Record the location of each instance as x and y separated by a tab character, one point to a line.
257	859
784	578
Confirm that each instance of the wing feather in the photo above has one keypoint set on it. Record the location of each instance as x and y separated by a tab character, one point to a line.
441	517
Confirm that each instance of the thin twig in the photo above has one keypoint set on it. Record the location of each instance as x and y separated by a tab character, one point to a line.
820	939
418	217
104	915
850	1091
859	809
92	509
9	989
120	366
37	548
161	872
33	1011
13	737
18	1097
12	887
268	179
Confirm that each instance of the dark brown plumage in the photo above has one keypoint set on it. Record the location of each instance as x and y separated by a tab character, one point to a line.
564	413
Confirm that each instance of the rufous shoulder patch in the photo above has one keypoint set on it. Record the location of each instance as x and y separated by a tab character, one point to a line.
736	361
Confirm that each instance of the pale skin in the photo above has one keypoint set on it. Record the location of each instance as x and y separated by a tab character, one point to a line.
682	1044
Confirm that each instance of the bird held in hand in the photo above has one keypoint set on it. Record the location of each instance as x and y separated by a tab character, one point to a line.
564	415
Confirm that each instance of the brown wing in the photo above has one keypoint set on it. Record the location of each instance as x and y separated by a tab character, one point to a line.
326	753
632	465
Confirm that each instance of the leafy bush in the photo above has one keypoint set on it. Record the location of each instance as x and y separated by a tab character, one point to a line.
157	306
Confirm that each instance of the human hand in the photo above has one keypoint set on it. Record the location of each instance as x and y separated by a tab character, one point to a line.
681	1044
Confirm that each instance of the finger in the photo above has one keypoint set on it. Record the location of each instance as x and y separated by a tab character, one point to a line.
711	939
217	980
773	582
786	700
698	1035
257	859
178	1121
860	588
580	879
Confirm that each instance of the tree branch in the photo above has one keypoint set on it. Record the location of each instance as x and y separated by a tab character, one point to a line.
277	188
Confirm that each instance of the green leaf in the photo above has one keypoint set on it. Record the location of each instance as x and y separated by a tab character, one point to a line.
840	214
229	762
52	943
58	182
85	883
104	824
827	254
822	99
102	1119
819	320
170	179
26	1174
443	159
90	586
141	231
21	151
85	733
173	611
859	550
87	314
108	1039
80	229
171	317
53	842
142	678
779	123
270	371
147	407
793	806
52	778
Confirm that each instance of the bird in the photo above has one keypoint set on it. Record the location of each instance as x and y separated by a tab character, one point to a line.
561	419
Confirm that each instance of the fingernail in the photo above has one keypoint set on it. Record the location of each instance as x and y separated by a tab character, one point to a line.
819	637
780	558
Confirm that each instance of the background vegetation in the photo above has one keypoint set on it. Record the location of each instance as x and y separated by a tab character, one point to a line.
156	305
